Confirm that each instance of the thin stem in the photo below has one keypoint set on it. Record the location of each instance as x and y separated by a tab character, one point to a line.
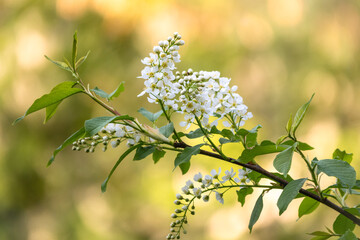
169	120
312	171
207	137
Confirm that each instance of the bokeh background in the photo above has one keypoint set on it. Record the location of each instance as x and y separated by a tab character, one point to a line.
278	52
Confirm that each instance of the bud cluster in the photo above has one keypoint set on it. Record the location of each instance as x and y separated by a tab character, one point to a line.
201	188
113	134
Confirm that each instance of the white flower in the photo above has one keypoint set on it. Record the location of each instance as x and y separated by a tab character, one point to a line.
198	177
228	175
197	192
207	181
189	184
185	189
243	175
114	144
215	174
219	197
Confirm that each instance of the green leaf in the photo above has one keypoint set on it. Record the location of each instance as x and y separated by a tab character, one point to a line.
343	224
158	154
117	92
224	140
227	134
214	130
185	156
50	110
307	206
94	125
342	155
149	115
100	93
289	123
242	193
301	145
251	137
339	169
75	136
349	235
167	130
143	152
81	60
289	193
321	237
184	167
255	176
281	139
266	147
243	132
299	116
255	214
195	134
122	157
319	233
74	50
61	65
110	96
63	90
282	161
250	140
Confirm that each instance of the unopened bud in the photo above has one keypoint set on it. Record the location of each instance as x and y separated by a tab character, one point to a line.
157	49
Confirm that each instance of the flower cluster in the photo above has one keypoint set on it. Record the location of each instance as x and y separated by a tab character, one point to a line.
113	134
201	188
158	73
195	94
206	94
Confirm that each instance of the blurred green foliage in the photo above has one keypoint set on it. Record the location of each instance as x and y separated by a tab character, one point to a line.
278	52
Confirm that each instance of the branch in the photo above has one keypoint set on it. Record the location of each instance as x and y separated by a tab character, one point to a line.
282	182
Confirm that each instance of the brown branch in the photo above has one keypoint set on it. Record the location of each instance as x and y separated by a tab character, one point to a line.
282	182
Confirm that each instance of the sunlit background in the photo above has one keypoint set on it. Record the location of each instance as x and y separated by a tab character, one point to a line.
278	52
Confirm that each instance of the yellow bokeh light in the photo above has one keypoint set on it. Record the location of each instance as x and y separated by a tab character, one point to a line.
286	13
254	32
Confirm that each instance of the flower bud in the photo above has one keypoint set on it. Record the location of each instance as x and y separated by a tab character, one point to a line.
178	211
206	198
181	42
177	202
157	49
179	196
174	215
